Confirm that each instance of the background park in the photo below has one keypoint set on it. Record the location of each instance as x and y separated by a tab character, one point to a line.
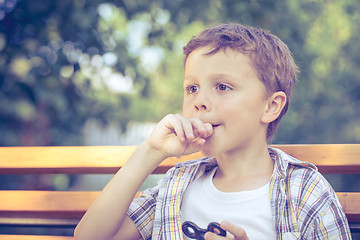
92	72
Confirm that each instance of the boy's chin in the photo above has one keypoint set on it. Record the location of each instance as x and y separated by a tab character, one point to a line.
207	151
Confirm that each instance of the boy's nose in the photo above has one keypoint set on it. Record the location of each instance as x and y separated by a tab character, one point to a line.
202	102
201	107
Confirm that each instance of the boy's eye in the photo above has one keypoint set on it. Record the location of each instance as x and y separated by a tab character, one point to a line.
223	87
192	89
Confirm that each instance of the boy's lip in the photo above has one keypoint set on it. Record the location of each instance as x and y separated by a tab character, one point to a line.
213	124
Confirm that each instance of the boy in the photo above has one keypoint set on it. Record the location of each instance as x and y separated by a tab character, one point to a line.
237	85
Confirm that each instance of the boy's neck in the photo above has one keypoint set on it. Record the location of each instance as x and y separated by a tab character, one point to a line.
245	170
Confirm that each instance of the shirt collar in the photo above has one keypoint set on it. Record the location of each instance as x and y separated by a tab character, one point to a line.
283	160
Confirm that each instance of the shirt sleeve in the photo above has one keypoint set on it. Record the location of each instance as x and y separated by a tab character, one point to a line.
142	211
331	223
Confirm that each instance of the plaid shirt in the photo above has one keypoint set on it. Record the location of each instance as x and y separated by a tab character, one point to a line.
304	206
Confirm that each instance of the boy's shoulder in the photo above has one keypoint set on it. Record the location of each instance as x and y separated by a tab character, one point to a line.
292	169
301	177
284	162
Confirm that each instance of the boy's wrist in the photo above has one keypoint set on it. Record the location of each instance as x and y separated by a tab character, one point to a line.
147	157
152	153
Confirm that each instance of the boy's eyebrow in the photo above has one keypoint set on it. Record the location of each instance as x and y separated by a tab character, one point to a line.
187	77
190	78
215	76
224	76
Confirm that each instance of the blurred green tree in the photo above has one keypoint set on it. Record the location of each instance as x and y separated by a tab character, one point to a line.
63	62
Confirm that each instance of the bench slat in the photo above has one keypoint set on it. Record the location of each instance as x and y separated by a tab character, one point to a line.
36	206
36	221
72	160
329	158
45	204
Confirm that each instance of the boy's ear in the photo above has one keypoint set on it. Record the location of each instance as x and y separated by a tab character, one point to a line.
275	105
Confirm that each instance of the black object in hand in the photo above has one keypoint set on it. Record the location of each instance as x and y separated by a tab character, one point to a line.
193	231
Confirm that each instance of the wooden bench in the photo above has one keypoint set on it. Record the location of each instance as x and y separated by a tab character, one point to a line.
65	208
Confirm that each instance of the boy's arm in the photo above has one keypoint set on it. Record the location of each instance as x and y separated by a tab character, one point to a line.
107	214
332	224
107	217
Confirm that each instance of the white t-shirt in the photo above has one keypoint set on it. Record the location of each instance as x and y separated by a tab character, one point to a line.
204	203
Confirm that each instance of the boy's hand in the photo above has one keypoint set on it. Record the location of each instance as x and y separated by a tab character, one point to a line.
175	135
237	232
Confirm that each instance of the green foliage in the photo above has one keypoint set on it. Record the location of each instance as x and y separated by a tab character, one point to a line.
63	62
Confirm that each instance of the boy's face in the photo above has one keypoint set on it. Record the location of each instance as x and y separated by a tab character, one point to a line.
223	89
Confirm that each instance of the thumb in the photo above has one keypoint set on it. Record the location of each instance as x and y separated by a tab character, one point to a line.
235	230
